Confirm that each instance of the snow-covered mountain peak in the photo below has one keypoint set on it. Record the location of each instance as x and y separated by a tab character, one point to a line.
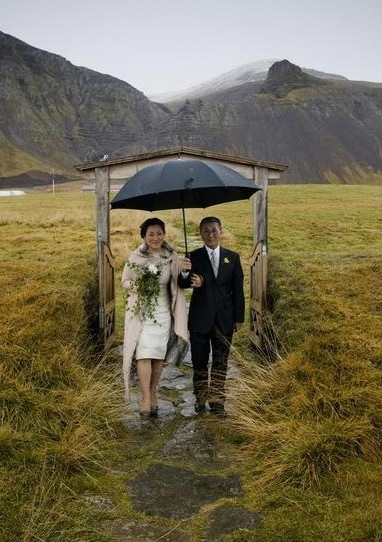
246	73
252	71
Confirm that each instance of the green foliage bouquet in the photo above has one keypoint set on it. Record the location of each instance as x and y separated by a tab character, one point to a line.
146	284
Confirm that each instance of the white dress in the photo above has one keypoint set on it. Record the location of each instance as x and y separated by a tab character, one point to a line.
153	339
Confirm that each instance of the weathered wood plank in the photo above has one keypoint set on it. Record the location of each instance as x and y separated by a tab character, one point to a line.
258	294
107	305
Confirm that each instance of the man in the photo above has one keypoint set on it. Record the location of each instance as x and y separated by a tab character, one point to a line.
216	311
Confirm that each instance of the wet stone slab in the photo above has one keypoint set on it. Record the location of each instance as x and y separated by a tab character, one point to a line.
174	379
176	492
194	441
227	519
127	530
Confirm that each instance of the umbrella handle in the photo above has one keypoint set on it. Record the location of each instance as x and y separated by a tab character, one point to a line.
187	254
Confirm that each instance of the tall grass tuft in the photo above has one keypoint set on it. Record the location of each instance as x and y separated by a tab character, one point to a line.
301	422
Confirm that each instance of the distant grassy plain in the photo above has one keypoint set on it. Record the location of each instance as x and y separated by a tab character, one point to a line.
306	430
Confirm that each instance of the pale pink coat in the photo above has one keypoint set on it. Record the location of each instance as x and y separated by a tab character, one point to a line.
178	342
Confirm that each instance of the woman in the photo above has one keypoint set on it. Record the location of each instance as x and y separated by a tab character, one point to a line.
156	316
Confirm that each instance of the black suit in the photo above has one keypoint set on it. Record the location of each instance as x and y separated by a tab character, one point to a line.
214	308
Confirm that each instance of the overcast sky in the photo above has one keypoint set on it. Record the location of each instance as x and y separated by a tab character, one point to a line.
167	45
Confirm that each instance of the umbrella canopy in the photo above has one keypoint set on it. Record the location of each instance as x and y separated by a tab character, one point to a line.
183	184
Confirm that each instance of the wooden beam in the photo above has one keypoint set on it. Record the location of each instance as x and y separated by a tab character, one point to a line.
166	154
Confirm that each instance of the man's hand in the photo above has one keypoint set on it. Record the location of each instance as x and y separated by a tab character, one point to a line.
196	281
237	326
185	265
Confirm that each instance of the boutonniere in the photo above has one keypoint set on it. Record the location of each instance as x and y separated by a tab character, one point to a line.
226	260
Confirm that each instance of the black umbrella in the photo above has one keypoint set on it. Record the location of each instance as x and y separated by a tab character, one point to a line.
181	184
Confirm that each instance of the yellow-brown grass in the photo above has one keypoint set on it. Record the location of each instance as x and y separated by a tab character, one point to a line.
58	402
306	426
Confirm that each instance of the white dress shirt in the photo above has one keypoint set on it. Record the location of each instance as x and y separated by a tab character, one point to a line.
216	252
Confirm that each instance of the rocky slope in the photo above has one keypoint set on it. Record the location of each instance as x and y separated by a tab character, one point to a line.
54	114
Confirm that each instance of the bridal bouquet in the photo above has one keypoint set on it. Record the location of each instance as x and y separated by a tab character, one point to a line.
146	284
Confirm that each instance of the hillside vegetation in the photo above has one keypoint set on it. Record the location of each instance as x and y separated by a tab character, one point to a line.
306	429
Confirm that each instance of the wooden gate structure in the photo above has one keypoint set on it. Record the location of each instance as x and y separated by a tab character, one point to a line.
258	293
119	170
106	292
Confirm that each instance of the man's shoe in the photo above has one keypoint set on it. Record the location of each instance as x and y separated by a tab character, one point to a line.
218	410
154	411
200	408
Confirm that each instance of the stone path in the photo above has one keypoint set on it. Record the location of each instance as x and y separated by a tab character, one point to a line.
188	489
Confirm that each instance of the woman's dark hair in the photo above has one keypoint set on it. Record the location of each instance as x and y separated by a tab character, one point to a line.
151	222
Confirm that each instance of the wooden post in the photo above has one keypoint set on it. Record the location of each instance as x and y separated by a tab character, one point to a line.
259	260
261	207
102	187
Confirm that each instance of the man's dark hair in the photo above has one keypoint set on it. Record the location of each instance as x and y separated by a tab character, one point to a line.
208	220
151	222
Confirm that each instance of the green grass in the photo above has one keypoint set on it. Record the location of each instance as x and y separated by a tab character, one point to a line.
305	430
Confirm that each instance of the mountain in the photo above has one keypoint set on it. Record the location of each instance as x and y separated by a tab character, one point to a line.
54	115
327	131
247	73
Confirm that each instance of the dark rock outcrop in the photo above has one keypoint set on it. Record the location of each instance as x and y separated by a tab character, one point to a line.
283	77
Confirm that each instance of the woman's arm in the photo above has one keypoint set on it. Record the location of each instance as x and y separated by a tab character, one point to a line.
128	275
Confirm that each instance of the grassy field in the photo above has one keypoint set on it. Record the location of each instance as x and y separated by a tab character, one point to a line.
306	429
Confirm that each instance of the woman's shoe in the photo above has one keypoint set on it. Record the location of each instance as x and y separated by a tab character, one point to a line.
200	407
144	414
154	411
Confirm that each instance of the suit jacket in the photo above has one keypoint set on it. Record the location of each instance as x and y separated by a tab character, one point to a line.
220	300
